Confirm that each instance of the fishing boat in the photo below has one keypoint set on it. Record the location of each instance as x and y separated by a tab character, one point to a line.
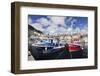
48	49
47	45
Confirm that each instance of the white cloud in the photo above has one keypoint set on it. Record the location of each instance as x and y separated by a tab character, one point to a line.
29	21
69	30
61	30
69	19
54	23
72	22
84	31
43	21
77	30
54	29
51	29
57	20
37	26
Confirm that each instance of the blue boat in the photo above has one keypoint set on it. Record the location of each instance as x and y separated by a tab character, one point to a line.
46	49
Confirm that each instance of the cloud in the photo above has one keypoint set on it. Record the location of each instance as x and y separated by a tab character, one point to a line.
72	22
43	21
61	30
84	31
68	19
57	20
55	30
39	23
37	26
52	25
51	29
77	30
54	22
29	21
69	30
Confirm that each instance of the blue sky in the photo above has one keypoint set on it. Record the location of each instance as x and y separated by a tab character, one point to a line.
50	23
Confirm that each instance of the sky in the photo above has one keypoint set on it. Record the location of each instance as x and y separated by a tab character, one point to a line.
55	25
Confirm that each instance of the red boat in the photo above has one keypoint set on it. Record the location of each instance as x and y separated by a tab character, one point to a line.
75	48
